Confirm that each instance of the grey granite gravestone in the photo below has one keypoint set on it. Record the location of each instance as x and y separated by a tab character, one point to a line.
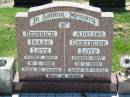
28	3
7	71
63	44
108	3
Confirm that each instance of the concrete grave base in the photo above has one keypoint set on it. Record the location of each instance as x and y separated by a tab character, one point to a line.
123	84
7	72
64	86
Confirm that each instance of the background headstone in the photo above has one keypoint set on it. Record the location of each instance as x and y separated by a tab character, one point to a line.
31	2
7	71
6	3
108	3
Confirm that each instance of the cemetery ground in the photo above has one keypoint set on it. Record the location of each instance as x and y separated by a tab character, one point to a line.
121	39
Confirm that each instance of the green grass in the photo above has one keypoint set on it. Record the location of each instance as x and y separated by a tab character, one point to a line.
7	42
121	42
121	46
7	15
7	31
122	17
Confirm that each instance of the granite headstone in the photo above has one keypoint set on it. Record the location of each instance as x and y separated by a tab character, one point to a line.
65	43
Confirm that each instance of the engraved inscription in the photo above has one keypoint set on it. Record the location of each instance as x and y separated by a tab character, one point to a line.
81	42
64	15
28	57
89	34
40	33
41	63
64	75
40	42
88	51
41	69
88	64
64	25
95	58
40	50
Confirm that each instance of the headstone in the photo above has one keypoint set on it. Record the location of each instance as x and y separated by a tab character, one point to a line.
66	43
7	71
108	3
31	2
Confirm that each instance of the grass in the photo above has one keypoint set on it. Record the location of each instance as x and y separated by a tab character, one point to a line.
7	42
121	39
120	47
122	17
7	31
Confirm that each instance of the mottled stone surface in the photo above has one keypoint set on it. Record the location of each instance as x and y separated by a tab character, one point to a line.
6	75
65	41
